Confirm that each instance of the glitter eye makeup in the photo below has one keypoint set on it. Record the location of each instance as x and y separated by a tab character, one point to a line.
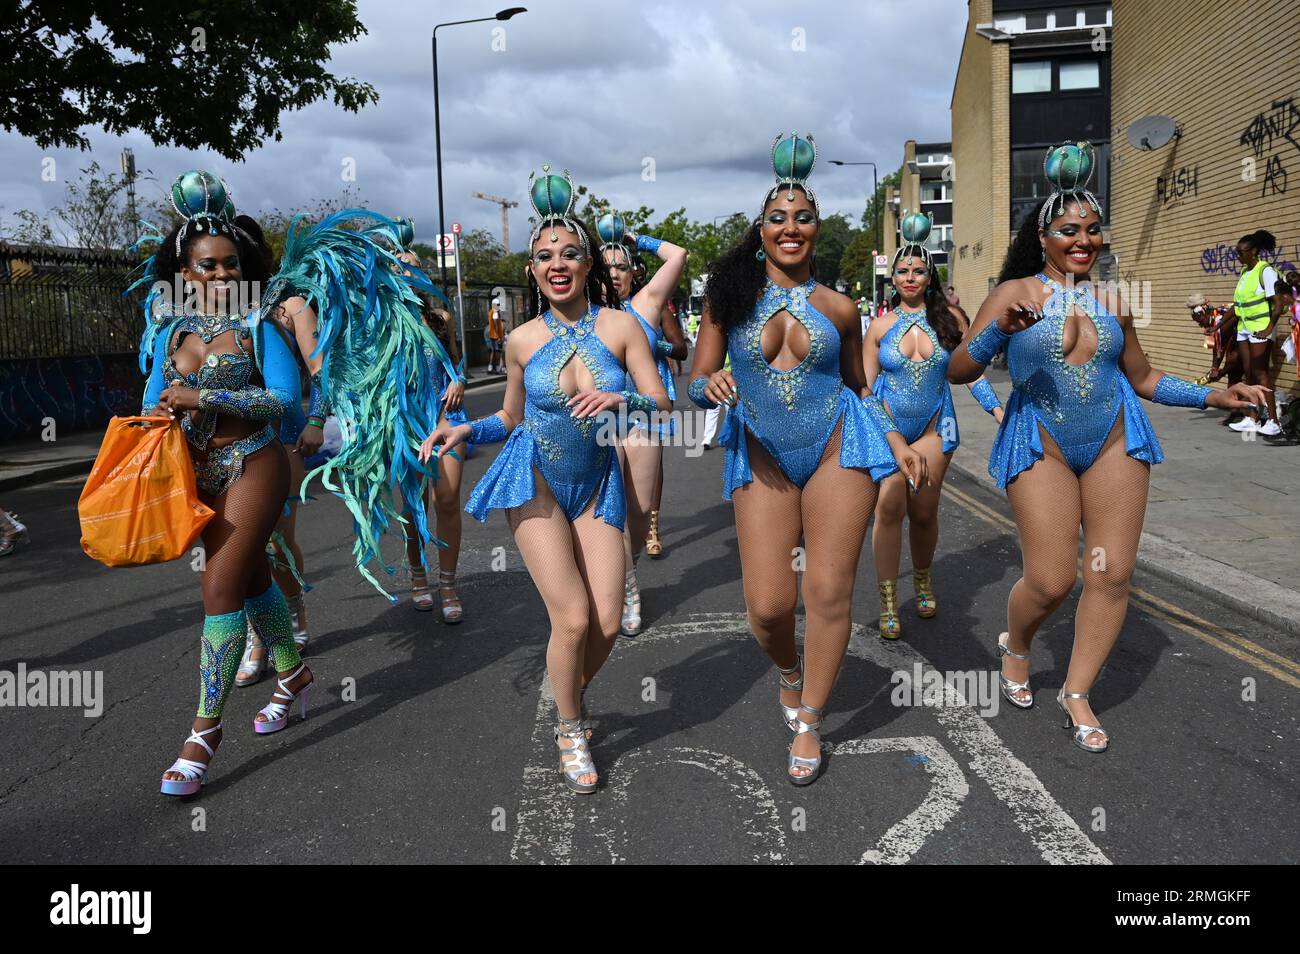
805	217
776	218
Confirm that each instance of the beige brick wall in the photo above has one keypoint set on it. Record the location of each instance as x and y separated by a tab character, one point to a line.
981	148
1215	67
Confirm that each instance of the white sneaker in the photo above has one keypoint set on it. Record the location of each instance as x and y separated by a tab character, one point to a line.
1245	424
1271	429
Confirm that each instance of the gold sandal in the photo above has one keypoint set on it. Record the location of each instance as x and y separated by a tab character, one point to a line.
421	593
654	547
452	611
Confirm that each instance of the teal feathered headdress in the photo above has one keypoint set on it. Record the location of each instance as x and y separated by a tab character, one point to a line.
553	198
203	201
1068	168
792	162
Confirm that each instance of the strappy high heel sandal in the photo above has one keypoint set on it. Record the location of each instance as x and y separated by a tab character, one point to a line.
1009	688
791	713
631	624
277	713
654	547
798	761
581	764
421	593
1080	731
926	605
890	627
588	726
251	670
195	774
452	611
298	614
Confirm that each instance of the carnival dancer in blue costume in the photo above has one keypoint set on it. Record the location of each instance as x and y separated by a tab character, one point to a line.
558	476
906	354
217	361
643	449
448	391
1075	447
806	440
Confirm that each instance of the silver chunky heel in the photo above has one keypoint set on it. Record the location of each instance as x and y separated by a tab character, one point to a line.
581	764
631	622
1081	731
1009	688
791	713
798	761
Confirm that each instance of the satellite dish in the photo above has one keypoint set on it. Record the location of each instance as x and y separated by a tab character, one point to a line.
1151	132
947	245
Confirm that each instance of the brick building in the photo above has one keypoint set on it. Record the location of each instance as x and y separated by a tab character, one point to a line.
1231	81
1032	73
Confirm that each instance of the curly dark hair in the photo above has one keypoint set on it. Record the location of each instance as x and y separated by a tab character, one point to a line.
1025	254
600	287
937	313
1261	240
737	278
254	259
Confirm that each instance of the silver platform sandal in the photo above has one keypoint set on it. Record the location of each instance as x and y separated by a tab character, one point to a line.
251	670
581	763
790	713
1081	731
1009	688
798	761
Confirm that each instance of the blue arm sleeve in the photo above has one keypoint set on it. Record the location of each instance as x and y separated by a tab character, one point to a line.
983	392
1179	393
279	371
156	384
696	393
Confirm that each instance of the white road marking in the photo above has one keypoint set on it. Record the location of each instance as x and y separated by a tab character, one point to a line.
547	813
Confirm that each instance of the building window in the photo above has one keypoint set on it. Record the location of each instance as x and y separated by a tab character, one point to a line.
1096	16
1080	74
1035	21
1031	76
935	192
938	235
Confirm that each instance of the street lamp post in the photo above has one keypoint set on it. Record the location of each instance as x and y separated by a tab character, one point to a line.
437	141
875	194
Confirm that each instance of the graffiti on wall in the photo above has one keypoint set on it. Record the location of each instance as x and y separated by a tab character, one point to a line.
1221	259
1179	184
77	393
1270	134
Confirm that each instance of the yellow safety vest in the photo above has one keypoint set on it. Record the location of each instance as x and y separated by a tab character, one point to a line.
1250	300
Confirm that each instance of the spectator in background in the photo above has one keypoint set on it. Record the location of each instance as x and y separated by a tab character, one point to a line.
1220	332
495	337
950	292
1255	306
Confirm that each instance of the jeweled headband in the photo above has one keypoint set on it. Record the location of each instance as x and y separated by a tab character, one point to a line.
553	196
1068	168
792	162
914	229
612	229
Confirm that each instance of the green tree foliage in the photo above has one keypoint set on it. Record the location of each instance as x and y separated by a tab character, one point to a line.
213	74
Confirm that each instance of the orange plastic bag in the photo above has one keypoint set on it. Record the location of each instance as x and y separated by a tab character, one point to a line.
139	504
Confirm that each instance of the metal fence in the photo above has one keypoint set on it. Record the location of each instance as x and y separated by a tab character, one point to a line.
68	311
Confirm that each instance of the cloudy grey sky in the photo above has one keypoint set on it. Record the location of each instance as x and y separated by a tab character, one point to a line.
595	87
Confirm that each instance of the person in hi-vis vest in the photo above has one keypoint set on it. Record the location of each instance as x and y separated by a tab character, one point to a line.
1256	308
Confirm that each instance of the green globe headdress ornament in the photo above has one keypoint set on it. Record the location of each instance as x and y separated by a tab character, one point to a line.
1068	168
553	198
914	228
612	229
204	202
792	161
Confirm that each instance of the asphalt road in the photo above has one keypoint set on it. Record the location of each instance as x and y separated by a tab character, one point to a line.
445	756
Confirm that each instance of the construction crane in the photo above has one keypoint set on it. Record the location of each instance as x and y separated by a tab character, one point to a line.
506	206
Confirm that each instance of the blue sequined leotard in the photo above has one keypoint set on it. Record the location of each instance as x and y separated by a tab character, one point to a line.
665	371
441	382
1078	404
916	391
793	413
574	463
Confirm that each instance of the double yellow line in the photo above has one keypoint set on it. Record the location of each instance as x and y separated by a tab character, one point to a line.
1279	667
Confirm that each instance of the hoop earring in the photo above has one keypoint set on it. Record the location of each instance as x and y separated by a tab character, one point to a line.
760	256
